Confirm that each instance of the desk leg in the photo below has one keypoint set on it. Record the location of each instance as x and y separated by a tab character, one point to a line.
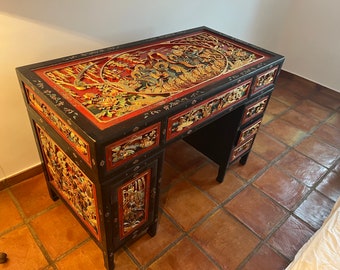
243	160
221	173
109	260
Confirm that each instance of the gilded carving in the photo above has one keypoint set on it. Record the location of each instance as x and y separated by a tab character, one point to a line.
250	131
133	200
133	145
72	137
266	78
118	84
241	149
206	109
255	109
73	185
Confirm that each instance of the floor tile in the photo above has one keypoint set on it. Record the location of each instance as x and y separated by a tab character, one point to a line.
276	107
169	175
267	147
331	93
266	259
313	109
285	96
330	185
326	99
284	132
302	168
290	237
183	156
88	256
334	120
186	204
318	150
329	134
22	251
314	209
9	214
205	179
183	256
225	239
146	248
256	211
34	187
254	166
300	120
302	87
58	230
336	168
282	188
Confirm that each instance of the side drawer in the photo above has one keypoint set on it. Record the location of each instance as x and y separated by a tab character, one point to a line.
241	149
255	109
249	131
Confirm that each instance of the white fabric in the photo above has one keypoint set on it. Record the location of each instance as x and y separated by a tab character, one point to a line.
322	251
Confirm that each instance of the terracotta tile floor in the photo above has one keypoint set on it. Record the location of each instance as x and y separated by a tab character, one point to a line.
258	218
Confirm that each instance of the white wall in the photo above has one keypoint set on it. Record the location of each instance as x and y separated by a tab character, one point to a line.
37	30
310	40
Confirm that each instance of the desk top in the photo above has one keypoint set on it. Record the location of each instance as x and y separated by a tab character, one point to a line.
113	85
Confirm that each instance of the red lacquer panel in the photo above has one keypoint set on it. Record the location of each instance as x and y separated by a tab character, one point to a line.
133	203
113	87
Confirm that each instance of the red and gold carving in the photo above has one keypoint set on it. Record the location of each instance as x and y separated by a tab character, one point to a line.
265	79
118	85
133	203
199	113
72	184
254	110
59	125
131	146
249	131
238	151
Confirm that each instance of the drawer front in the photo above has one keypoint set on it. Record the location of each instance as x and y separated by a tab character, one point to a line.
249	131
195	115
241	149
70	182
132	146
255	109
265	79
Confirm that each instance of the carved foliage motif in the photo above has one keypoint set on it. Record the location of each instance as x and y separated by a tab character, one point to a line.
206	109
133	145
241	149
250	131
265	79
75	187
59	125
117	84
255	109
133	200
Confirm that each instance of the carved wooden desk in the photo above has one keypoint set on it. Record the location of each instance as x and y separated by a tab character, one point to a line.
102	120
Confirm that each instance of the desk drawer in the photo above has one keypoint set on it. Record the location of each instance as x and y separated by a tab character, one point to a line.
249	131
255	109
131	146
189	118
241	149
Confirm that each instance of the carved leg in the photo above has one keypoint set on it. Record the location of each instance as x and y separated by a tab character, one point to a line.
243	160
